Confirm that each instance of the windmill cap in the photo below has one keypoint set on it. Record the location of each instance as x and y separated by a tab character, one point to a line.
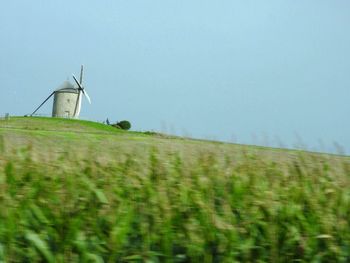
67	87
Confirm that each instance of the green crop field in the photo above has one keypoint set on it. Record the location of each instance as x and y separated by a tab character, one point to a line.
79	191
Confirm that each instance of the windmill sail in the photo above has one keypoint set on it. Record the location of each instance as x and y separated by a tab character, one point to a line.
81	90
81	74
78	106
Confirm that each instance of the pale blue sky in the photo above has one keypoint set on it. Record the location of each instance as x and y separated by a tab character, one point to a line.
244	70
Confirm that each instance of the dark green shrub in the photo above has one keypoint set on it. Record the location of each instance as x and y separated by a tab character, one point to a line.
125	125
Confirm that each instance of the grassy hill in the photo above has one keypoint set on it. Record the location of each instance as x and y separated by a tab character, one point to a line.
79	191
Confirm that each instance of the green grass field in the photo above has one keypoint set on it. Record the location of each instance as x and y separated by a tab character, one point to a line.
78	191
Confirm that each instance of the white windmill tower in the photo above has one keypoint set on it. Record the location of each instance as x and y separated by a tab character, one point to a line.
67	99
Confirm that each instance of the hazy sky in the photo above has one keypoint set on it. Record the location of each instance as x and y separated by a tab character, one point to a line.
248	71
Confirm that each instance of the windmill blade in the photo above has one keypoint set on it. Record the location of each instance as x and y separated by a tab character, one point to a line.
42	104
86	95
75	79
81	74
77	106
82	89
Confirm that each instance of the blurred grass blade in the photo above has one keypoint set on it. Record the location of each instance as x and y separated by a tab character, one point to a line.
94	258
40	245
98	192
2	254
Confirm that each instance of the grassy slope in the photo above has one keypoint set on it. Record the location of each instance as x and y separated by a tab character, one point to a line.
81	190
71	136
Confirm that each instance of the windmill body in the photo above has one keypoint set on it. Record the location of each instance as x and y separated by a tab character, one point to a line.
67	99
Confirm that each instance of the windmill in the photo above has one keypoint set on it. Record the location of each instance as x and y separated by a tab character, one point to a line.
67	98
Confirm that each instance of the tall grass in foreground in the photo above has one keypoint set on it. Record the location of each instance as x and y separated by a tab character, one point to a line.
167	208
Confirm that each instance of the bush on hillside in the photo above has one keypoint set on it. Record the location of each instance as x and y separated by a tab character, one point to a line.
125	125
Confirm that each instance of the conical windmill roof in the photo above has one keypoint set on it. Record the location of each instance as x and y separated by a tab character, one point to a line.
67	87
